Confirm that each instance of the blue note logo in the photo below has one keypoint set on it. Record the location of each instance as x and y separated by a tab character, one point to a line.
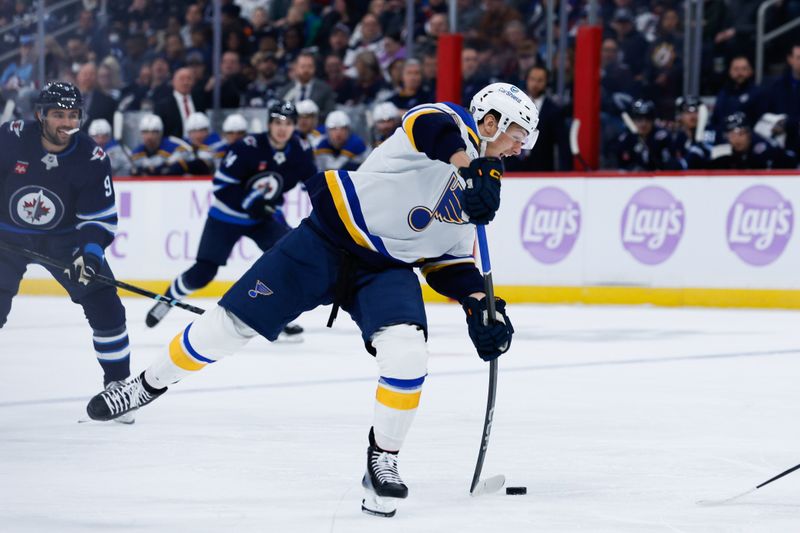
36	206
447	209
260	290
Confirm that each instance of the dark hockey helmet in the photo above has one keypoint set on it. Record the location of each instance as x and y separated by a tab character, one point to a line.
283	110
736	121
643	109
689	104
59	95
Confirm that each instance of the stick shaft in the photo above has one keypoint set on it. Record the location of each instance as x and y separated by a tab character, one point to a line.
486	267
45	260
784	473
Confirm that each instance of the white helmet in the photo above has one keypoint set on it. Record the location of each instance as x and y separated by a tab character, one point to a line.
99	126
513	105
233	123
197	121
151	123
307	107
385	111
337	119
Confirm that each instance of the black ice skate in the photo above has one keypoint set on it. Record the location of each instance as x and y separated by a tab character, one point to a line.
381	482
115	402
291	333
156	314
127	418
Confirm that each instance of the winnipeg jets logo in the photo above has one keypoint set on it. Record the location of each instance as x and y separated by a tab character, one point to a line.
16	127
447	209
50	161
260	290
98	154
279	157
36	206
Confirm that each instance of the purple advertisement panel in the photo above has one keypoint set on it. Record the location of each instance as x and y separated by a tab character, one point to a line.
551	223
759	225
652	225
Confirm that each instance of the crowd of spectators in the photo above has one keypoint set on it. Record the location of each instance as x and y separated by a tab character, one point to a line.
156	56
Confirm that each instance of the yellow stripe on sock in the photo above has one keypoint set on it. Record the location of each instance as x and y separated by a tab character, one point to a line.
180	357
397	400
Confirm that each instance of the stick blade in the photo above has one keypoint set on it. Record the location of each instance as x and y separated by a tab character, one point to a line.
711	503
489	485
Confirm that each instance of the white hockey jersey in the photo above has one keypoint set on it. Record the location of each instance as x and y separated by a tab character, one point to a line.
401	203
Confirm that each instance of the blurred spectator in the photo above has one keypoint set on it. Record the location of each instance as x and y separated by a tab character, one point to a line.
135	92
393	17
234	128
747	150
468	14
100	131
553	142
436	25
159	155
411	94
77	54
664	67
430	70
783	98
386	119
174	51
474	77
292	44
19	73
96	104
192	19
159	81
632	44
618	89
689	140
109	78
338	41
233	84
366	37
269	80
175	109
395	74
342	86
207	146
136	55
306	86
650	146
308	122
515	45
92	35
391	51
339	148
370	85
497	14
740	93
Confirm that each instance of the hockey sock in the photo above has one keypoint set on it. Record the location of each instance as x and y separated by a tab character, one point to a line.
113	353
402	357
197	277
213	336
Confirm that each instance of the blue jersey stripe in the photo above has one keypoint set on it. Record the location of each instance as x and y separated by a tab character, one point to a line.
358	216
215	212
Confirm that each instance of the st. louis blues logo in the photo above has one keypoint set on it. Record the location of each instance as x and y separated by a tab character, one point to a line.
260	290
447	208
36	206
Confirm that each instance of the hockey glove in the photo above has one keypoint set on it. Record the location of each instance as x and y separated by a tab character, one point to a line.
482	192
84	267
491	340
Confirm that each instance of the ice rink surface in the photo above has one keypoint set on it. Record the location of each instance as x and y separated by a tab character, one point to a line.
617	419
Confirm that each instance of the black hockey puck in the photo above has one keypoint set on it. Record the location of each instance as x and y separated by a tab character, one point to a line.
516	490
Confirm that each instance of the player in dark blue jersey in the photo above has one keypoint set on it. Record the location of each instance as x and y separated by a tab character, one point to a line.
57	198
248	193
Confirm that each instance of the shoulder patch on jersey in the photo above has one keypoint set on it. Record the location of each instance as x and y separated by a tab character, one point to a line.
16	127
661	135
760	148
230	158
304	144
250	141
98	154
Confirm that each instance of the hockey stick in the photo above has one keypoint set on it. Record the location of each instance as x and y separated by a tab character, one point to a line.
745	493
493	483
119	120
574	146
45	260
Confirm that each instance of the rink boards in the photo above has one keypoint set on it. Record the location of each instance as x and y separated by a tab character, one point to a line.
715	240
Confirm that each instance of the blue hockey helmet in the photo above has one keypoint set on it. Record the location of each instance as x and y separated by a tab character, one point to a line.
643	109
283	110
59	95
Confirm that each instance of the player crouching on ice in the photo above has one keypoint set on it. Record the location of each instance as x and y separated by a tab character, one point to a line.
412	203
58	200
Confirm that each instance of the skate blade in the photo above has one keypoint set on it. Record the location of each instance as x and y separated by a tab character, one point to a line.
375	505
489	485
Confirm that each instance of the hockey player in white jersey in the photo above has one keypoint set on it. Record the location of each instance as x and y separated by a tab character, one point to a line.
413	203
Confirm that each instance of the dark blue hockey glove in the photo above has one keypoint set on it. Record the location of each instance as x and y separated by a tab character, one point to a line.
482	192
85	266
491	340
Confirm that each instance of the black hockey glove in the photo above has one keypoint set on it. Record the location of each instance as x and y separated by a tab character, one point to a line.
482	192
84	267
491	340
